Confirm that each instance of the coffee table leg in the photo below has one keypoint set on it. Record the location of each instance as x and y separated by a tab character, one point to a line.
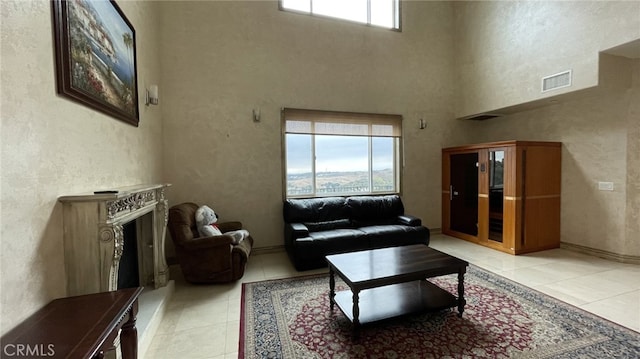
332	287
356	312
461	301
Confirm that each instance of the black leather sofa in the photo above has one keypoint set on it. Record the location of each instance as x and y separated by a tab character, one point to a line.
317	227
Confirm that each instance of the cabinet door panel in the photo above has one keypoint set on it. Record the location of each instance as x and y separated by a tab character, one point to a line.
495	184
464	193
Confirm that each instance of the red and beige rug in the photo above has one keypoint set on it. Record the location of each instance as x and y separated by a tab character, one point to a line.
290	318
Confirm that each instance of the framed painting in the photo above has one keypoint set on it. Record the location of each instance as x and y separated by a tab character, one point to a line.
95	48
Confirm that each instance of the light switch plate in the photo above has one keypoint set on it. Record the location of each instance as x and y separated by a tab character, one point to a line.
605	186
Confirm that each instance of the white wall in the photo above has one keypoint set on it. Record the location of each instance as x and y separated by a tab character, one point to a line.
216	61
52	146
505	48
599	141
631	243
250	55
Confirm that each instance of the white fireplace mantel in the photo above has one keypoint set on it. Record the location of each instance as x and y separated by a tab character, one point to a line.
94	237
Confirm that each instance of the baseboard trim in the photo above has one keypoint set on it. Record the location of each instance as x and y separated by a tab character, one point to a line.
622	258
267	250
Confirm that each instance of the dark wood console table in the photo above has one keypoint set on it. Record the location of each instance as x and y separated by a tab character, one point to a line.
78	327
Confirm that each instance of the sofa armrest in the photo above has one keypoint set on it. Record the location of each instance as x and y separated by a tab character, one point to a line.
208	243
293	231
243	250
299	230
409	220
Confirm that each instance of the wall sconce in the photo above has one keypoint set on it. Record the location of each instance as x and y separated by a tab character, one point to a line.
152	95
256	115
423	124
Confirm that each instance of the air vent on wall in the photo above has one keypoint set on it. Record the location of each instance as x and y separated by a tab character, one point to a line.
556	81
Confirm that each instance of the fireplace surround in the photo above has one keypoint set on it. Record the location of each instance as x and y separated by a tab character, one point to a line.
94	237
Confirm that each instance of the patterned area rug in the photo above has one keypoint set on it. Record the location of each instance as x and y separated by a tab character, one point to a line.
290	318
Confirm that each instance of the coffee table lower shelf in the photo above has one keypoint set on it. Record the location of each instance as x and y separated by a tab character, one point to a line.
395	300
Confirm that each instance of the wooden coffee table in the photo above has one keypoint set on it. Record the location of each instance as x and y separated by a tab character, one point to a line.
391	282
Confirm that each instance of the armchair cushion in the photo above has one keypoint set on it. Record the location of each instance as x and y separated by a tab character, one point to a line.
207	242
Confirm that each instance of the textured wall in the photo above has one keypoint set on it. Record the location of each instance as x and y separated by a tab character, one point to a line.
52	146
505	48
632	240
220	60
600	143
223	59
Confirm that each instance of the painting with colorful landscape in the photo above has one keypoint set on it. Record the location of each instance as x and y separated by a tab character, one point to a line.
96	56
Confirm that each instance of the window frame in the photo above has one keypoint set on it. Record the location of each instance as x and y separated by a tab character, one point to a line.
398	16
323	117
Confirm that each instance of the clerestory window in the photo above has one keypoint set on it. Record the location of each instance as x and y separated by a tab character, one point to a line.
340	153
382	13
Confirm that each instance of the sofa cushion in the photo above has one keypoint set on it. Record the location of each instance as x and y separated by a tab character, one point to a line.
336	233
338	240
308	252
328	225
308	210
395	235
366	210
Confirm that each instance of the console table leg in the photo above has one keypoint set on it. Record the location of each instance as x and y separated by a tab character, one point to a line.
356	313
129	335
461	301
332	288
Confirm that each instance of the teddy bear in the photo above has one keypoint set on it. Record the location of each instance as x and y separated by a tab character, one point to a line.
206	220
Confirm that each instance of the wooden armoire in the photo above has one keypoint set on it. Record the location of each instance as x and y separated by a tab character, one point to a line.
503	195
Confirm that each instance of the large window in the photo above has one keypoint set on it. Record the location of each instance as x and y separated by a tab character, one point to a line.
383	13
338	153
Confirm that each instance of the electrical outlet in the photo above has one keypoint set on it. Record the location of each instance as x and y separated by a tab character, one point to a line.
605	186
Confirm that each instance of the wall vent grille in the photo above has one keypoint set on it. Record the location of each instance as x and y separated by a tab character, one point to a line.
556	81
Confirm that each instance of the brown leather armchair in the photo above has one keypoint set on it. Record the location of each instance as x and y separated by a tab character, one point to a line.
206	259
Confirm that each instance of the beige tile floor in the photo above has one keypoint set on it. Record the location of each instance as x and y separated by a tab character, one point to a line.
203	321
